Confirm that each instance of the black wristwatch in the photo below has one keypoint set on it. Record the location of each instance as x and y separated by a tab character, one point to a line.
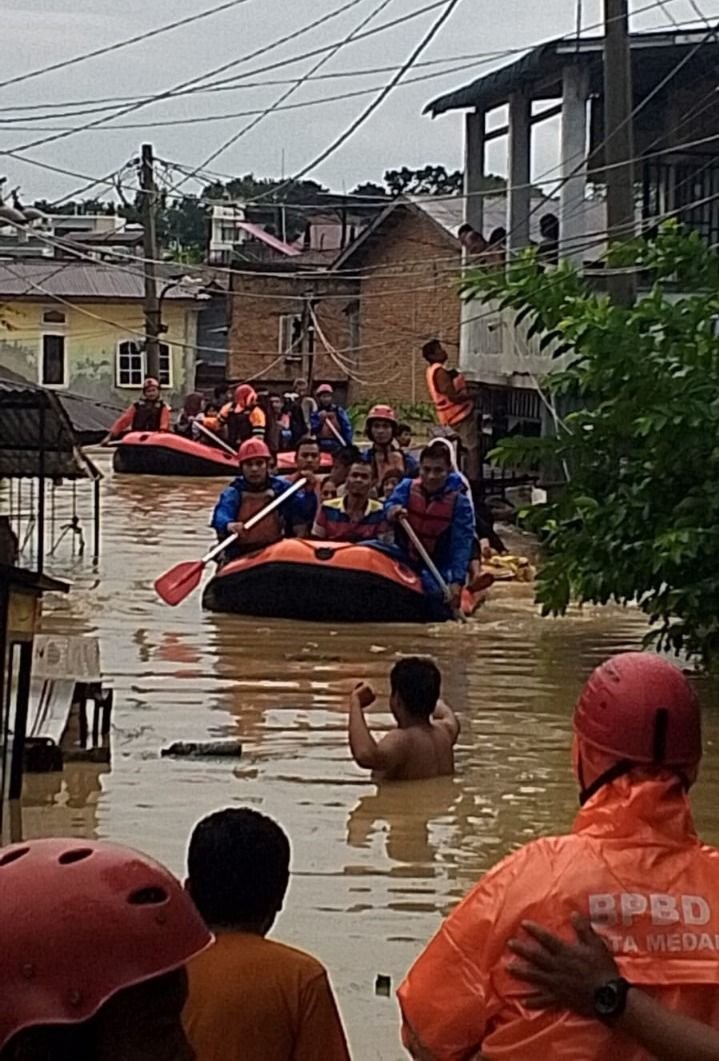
610	1000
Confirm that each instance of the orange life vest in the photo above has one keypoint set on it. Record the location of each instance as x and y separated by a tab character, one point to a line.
269	529
389	460
429	517
634	865
448	411
325	430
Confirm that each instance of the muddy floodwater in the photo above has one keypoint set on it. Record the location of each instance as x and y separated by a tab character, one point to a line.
374	868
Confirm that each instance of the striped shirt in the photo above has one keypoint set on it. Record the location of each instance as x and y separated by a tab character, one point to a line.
334	523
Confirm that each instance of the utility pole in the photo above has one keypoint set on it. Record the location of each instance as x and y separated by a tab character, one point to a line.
153	324
619	140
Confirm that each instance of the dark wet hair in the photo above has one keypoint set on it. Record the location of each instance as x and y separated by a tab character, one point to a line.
464	228
403	427
238	867
418	684
347	455
307	440
431	348
436	451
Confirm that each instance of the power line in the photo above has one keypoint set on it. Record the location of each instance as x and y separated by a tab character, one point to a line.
64	63
379	99
86	108
168	93
287	93
261	112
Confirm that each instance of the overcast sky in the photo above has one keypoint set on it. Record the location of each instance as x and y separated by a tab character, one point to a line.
40	32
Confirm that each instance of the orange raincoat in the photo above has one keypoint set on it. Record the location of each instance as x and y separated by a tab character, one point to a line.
633	863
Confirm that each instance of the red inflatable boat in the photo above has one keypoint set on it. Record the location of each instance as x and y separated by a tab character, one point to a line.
321	581
165	453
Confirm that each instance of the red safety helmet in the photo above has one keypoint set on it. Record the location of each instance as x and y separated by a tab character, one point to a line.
81	921
150	381
253	448
639	708
245	395
325	388
381	412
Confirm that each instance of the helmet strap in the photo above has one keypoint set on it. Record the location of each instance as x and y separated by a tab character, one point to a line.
618	769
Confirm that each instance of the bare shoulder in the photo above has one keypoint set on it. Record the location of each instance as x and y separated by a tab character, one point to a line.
394	744
445	721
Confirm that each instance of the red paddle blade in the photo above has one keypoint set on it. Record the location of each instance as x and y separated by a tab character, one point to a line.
179	581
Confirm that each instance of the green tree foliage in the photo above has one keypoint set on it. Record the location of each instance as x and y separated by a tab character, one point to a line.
435	180
638	520
429	180
370	190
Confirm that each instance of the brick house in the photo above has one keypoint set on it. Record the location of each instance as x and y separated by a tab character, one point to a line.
374	305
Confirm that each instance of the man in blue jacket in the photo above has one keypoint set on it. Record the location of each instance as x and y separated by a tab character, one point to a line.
330	422
441	515
250	492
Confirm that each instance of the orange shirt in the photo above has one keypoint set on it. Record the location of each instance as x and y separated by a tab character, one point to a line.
252	999
449	412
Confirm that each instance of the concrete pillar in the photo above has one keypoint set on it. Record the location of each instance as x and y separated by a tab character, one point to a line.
474	169
573	164
520	144
474	154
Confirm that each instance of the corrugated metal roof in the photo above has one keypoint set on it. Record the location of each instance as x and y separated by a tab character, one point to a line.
87	415
32	421
539	72
78	280
450	214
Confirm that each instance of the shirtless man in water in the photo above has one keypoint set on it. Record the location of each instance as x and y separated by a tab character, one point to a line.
427	729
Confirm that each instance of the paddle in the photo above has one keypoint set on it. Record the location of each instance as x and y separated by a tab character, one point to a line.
431	567
182	579
335	432
215	438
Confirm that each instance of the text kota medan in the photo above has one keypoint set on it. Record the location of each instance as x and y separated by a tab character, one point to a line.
687	914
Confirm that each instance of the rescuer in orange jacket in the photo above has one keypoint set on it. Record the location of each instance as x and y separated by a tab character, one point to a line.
252	490
150	413
242	418
633	865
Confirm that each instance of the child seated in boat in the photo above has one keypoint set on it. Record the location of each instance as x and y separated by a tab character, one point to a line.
388	485
209	418
427	729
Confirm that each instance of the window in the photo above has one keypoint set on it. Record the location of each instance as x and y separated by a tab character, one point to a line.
130	368
53	316
290	334
52	361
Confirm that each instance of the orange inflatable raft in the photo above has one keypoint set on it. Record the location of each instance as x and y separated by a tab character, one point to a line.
165	453
320	581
